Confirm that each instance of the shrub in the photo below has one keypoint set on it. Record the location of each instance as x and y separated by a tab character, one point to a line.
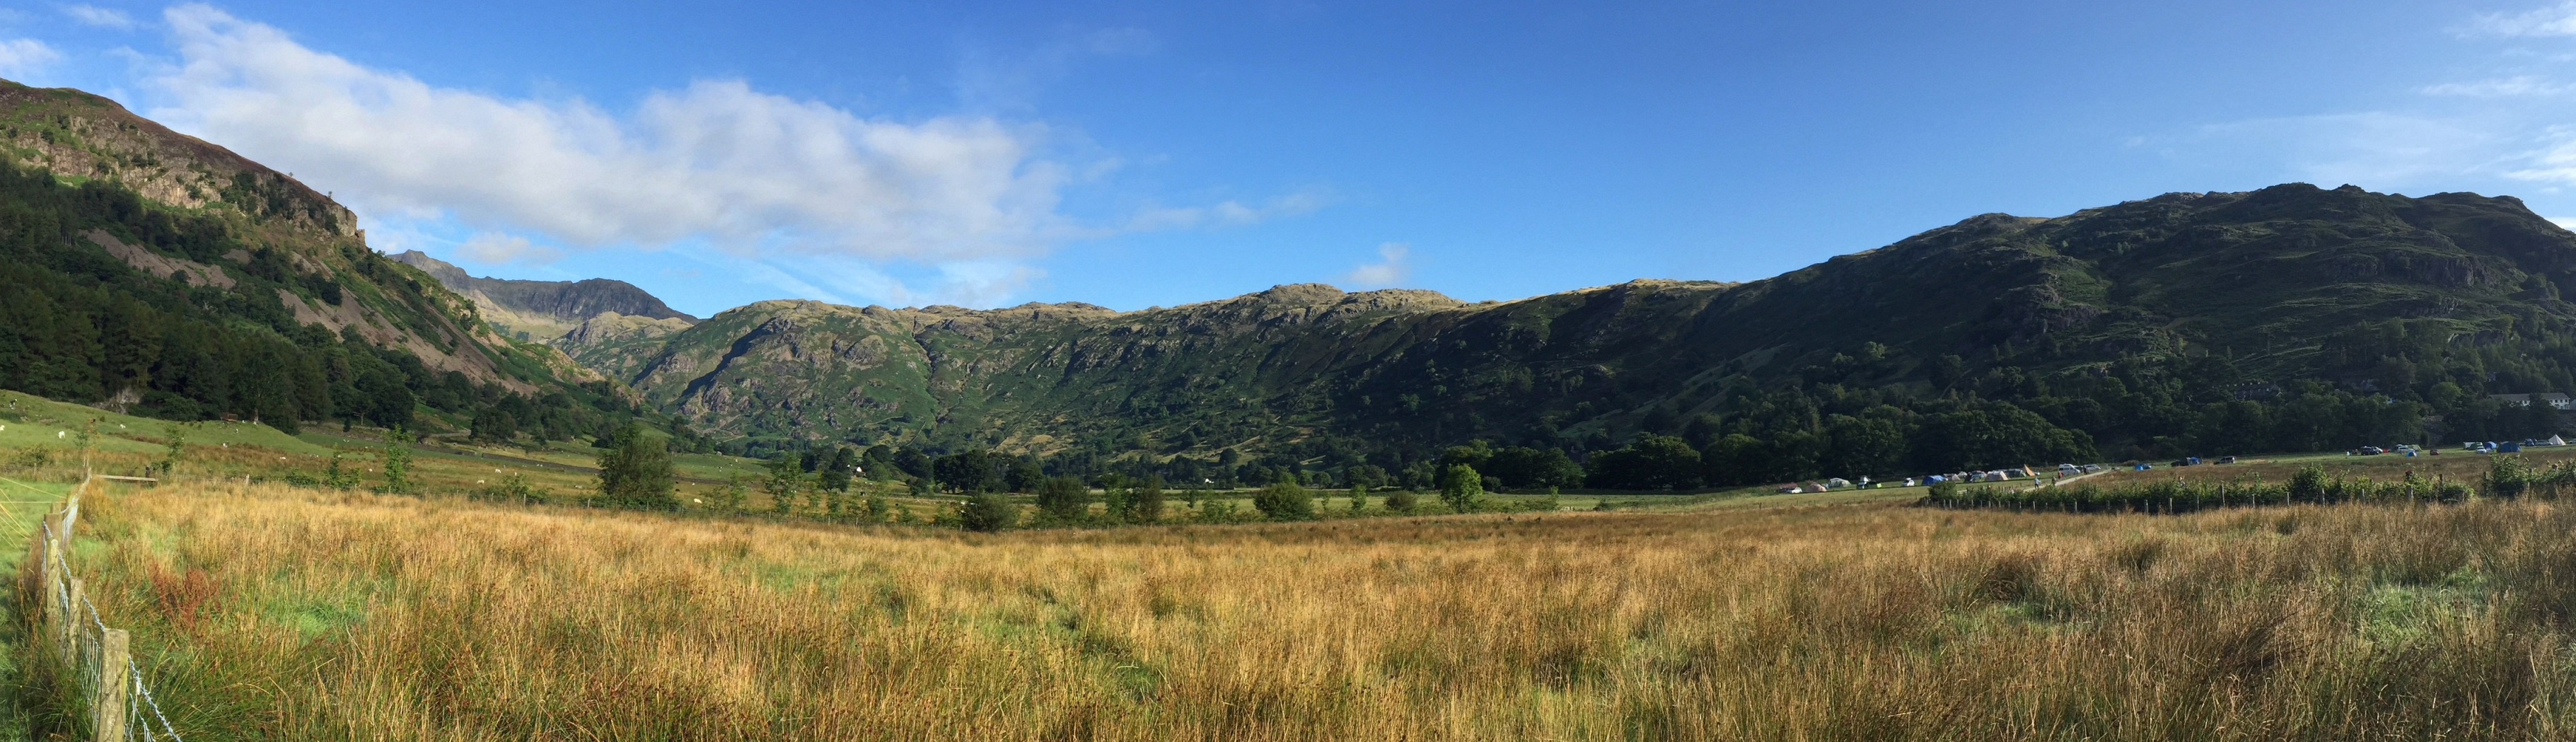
1284	501
2508	476
988	513
1145	504
1401	501
2309	485
1064	499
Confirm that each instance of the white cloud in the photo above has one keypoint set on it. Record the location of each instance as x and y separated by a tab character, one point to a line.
718	161
2508	87
2552	164
2564	222
92	15
1391	268
21	56
1226	213
494	249
2556	20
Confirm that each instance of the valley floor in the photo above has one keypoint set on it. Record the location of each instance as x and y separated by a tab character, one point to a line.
280	613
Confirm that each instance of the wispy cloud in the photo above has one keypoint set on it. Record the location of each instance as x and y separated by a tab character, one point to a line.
494	249
1229	213
1391	269
92	15
2505	87
2555	20
19	57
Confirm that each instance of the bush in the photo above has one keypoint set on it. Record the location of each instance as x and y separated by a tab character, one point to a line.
1284	501
1064	499
2309	485
988	513
2508	476
1401	501
1145	504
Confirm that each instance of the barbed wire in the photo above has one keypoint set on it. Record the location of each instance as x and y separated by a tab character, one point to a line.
60	593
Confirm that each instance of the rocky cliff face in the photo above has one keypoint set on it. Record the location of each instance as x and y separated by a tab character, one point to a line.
2271	277
318	251
545	310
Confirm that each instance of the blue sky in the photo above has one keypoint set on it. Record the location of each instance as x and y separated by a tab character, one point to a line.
1135	154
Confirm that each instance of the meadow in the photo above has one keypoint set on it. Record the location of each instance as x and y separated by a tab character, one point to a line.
287	613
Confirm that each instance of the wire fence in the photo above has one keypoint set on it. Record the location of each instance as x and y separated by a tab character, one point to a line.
120	701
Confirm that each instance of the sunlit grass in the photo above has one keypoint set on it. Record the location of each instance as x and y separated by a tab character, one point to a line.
290	614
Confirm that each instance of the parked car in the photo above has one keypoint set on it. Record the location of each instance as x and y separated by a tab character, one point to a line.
2225	460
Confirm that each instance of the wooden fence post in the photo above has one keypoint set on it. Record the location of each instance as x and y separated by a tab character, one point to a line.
45	570
115	683
70	626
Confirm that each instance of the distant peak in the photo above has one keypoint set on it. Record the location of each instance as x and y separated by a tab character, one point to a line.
1300	293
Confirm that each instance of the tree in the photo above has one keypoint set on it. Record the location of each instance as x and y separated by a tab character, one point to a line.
1366	477
988	512
1735	459
1862	446
1996	435
1284	501
1473	455
730	499
835	501
1460	486
397	462
174	448
1064	499
965	471
492	425
1533	468
1145	505
781	482
1652	462
338	476
1024	476
836	470
637	473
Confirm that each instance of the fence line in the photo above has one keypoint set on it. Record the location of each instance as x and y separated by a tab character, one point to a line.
120	700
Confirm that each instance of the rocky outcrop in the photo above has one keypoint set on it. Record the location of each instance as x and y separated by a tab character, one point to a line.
545	310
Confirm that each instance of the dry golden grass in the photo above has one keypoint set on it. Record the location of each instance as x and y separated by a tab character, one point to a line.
287	614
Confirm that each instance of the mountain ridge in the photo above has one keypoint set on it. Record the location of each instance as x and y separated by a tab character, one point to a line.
544	310
2170	278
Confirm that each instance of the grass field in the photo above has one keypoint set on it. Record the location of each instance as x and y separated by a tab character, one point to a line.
279	613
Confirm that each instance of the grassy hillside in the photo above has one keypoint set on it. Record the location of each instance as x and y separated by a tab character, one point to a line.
146	271
282	614
2292	318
